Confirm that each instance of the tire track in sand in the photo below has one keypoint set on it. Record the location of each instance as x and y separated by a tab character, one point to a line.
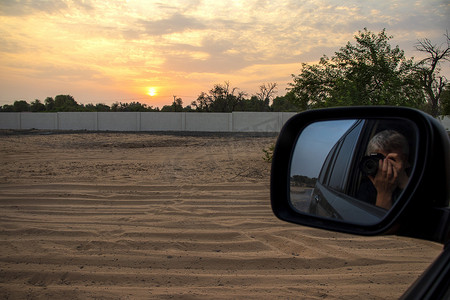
201	228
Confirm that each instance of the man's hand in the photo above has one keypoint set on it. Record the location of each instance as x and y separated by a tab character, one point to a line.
386	179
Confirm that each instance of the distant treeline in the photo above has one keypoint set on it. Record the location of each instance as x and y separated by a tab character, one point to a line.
220	99
303	181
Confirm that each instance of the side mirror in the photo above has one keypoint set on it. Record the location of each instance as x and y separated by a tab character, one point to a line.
363	170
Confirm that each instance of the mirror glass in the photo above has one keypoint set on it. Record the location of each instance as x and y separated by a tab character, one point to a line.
352	170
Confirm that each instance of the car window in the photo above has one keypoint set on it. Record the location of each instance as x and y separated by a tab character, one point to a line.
336	169
327	164
343	160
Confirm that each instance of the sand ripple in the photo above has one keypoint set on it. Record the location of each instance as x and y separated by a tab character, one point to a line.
126	216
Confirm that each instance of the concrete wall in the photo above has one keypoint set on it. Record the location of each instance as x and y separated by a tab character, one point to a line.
77	121
218	122
157	121
261	122
39	121
119	121
445	121
10	121
154	121
147	121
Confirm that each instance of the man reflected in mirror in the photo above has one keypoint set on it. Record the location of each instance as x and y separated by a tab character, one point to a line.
386	169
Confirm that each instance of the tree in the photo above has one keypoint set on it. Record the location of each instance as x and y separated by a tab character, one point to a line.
203	102
300	180
132	106
428	71
37	106
65	103
96	108
367	73
445	100
102	107
7	108
115	106
21	105
252	104
267	93
49	104
221	98
188	108
177	105
285	103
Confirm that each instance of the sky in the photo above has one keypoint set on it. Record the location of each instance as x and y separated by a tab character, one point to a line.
150	51
314	144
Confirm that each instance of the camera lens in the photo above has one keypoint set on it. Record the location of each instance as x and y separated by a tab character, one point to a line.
369	164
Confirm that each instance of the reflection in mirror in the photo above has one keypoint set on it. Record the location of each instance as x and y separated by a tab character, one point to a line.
352	170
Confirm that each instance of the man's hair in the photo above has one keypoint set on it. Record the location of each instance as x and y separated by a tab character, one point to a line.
388	141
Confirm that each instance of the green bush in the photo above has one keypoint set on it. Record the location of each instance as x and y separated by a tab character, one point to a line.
268	153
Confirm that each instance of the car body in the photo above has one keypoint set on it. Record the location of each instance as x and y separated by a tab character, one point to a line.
421	210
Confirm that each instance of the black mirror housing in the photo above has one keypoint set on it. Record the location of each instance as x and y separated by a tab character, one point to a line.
422	211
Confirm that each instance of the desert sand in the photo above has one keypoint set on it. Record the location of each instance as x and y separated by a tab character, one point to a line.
159	216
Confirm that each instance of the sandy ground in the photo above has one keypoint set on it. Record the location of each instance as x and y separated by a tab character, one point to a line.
151	216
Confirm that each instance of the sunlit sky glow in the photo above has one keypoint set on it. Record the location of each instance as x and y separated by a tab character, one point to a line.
117	51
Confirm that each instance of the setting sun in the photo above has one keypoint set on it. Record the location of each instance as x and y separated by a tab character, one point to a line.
151	91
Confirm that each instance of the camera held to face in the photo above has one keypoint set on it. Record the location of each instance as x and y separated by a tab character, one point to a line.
369	163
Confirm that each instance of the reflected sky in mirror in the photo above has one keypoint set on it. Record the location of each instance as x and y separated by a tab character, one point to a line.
314	144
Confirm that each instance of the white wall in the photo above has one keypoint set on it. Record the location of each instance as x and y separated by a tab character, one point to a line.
445	121
157	121
213	122
147	121
118	121
77	121
39	120
252	122
154	121
10	121
259	121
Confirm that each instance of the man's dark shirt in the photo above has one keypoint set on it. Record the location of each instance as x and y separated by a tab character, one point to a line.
368	193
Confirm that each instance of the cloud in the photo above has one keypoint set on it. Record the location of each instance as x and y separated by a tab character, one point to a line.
168	41
9	45
29	7
216	58
174	24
